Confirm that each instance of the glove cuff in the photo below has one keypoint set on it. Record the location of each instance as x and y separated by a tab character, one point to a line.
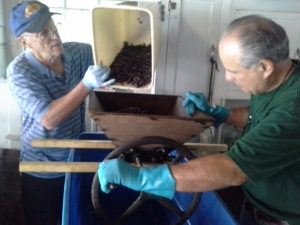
87	85
164	184
220	113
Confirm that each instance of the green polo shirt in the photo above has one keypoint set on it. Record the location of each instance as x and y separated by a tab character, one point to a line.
269	152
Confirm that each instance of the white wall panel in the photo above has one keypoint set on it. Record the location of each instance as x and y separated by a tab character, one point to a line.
189	43
10	119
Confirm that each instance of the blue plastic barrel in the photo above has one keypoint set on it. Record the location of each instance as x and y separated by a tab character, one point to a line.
78	209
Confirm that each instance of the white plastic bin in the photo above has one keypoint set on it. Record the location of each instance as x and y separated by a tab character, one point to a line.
135	24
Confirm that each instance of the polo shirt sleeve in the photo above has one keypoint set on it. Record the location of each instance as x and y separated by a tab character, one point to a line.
270	146
28	90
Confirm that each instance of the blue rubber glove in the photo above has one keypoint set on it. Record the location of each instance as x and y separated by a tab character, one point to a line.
96	76
156	180
194	101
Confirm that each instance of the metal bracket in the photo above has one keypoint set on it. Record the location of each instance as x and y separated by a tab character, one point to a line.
213	69
172	5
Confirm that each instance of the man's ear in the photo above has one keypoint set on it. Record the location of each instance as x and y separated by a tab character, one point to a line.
266	67
22	42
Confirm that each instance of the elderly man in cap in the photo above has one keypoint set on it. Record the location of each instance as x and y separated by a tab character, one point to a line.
50	81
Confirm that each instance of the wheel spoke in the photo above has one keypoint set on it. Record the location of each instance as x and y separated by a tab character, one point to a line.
169	205
132	208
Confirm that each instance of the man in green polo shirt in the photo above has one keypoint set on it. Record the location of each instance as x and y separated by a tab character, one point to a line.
266	160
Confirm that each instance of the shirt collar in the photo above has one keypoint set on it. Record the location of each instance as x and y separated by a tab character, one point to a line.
42	69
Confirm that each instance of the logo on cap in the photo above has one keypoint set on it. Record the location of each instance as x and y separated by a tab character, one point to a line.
32	9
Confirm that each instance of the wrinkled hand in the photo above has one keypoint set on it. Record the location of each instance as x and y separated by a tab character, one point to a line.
96	77
156	180
194	101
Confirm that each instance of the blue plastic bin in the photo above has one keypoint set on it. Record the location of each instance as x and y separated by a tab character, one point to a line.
78	209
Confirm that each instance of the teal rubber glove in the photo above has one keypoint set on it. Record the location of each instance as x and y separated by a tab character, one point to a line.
156	180
194	101
96	77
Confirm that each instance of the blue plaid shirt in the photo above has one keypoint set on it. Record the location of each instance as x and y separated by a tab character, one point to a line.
34	87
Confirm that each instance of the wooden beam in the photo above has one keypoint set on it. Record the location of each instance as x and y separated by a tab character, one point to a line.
59	167
96	144
90	167
63	167
89	144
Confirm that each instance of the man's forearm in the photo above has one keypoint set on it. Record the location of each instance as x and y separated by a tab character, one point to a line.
238	117
60	109
207	173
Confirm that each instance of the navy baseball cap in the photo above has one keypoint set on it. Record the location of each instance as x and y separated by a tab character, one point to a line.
31	17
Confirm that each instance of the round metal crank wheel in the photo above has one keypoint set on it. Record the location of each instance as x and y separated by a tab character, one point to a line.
181	153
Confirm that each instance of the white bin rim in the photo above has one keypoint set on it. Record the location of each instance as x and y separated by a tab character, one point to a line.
106	48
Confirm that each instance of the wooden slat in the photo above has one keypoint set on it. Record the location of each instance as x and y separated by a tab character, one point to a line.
92	144
59	167
63	167
89	144
90	167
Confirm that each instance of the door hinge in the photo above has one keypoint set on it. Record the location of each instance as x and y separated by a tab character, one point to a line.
172	5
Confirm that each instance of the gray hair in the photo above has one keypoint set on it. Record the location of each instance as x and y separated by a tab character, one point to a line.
259	38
